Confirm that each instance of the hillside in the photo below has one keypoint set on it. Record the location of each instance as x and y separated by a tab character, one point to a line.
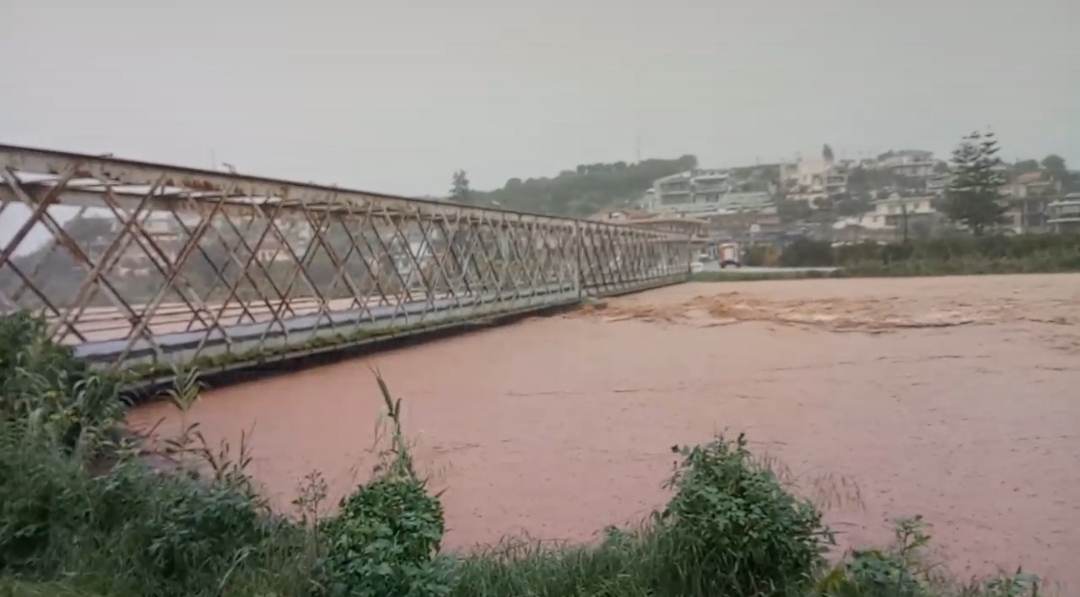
585	190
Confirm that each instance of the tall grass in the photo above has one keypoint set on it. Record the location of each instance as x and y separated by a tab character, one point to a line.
131	530
51	393
80	509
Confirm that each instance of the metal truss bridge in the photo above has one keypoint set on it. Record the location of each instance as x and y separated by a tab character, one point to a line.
141	266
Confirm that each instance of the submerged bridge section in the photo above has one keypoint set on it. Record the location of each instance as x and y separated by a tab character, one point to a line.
142	266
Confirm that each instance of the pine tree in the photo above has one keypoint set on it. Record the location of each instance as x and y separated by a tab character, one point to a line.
459	191
974	196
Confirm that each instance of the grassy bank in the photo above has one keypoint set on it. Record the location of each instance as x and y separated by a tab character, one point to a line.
82	513
942	257
959	267
737	276
871	270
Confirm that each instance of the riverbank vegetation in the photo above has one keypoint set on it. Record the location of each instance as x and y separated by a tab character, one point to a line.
939	257
963	255
88	509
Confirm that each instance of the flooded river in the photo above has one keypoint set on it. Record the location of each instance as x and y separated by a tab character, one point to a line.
955	398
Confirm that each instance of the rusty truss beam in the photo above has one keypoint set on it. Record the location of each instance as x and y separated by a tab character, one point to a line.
143	266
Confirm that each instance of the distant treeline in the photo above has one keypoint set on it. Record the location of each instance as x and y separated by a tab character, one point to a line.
585	190
959	255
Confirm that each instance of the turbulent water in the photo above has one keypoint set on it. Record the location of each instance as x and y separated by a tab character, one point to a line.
957	398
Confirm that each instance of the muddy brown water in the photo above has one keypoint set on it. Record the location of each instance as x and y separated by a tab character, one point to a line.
956	398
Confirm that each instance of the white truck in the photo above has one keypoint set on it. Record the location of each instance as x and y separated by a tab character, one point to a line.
728	254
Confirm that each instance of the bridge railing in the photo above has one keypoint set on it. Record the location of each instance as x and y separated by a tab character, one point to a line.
142	266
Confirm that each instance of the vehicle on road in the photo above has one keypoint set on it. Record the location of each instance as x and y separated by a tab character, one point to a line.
729	255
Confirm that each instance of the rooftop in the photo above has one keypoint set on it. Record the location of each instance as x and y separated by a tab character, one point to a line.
1030	177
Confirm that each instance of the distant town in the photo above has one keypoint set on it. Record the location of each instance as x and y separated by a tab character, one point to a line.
898	195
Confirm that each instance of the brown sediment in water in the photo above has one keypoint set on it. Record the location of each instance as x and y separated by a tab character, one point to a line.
955	398
836	314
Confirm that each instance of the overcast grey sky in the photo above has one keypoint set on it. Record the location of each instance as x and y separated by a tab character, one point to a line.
394	95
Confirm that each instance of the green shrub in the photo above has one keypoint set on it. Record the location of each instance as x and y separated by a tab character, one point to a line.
866	251
43	497
896	252
966	255
735	529
1019	584
385	540
77	508
944	256
186	530
130	530
902	570
759	255
805	252
895	572
47	389
730	529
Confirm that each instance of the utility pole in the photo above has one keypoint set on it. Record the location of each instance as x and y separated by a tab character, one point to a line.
904	214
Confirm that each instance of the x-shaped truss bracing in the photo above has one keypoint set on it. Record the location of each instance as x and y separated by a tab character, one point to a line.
143	265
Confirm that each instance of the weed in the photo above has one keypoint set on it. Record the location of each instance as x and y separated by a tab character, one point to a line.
1020	584
737	531
310	495
385	539
902	570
